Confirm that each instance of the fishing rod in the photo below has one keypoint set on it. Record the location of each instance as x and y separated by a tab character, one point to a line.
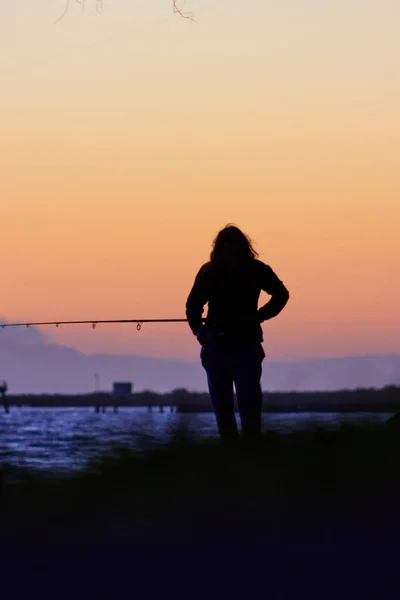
96	322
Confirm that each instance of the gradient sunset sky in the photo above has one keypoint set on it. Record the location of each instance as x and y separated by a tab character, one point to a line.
129	139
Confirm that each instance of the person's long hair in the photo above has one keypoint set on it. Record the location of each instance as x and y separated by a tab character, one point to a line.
232	247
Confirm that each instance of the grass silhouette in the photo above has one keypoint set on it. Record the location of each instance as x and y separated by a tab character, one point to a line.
186	480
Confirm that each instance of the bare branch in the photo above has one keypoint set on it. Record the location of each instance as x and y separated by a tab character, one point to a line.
179	11
68	2
100	9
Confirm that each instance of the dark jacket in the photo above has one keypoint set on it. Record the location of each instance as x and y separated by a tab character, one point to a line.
232	295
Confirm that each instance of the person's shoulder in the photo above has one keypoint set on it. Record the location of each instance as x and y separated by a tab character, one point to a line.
263	270
204	268
261	265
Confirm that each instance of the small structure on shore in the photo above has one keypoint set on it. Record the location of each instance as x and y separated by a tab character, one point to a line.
122	390
121	394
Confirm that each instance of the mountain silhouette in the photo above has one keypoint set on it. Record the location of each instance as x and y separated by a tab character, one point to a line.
31	365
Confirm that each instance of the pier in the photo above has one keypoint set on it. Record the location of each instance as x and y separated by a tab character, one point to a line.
362	400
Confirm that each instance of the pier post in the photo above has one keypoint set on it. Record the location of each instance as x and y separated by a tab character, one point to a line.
3	392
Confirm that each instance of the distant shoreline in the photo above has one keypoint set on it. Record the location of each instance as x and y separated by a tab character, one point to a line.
360	400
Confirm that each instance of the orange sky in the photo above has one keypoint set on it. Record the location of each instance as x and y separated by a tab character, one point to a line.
129	139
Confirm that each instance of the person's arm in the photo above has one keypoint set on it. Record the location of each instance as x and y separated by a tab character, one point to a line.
271	284
196	301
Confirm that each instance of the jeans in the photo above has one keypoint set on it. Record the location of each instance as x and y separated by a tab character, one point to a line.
242	367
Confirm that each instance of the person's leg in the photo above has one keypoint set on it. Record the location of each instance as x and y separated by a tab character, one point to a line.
247	376
218	366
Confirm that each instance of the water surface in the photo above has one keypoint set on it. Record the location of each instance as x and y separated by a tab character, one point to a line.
66	438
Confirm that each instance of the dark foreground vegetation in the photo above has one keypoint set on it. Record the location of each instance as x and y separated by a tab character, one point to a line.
304	514
187	479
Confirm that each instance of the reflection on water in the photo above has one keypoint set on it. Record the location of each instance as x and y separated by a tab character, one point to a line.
67	438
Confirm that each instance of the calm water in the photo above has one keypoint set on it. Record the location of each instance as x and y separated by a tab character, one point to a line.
68	438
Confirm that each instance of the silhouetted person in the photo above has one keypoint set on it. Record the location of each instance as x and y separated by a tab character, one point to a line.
231	350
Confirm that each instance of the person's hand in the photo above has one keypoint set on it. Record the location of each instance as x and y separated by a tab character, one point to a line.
204	335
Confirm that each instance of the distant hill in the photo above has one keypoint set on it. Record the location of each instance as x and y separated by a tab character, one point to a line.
38	367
